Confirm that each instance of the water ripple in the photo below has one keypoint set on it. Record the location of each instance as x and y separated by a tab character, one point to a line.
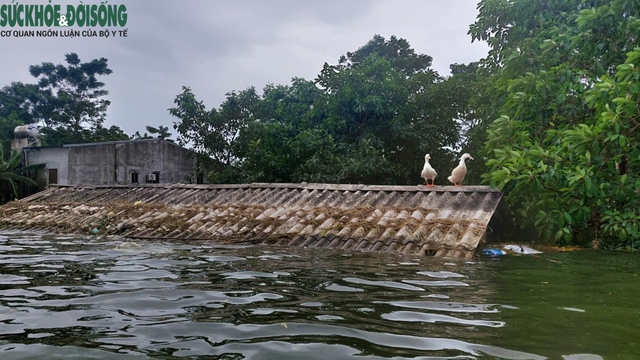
387	284
67	297
412	316
445	306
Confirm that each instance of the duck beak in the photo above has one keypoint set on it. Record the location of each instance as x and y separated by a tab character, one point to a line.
471	158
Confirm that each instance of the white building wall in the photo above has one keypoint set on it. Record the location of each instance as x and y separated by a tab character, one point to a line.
53	157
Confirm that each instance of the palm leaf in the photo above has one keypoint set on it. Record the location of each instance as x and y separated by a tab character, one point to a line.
10	173
14	160
15	177
12	183
33	167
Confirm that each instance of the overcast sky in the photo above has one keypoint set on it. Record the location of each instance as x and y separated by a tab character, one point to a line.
219	46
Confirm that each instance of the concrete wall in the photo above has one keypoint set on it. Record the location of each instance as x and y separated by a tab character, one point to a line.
54	158
92	164
177	166
147	157
112	163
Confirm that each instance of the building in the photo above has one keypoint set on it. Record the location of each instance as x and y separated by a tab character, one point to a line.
114	163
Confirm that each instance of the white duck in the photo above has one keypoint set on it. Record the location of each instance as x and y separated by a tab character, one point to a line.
458	174
428	172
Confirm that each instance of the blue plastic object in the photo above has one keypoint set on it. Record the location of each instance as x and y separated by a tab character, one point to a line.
492	252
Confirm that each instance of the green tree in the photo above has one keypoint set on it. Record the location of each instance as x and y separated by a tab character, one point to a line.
7	127
138	136
73	97
22	101
18	104
397	51
553	148
162	132
11	176
230	121
213	133
286	141
470	93
370	118
67	100
100	133
386	111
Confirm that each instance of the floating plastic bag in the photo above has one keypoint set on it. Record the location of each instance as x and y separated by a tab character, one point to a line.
521	249
492	252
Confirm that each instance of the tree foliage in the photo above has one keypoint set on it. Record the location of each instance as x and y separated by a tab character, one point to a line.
563	145
214	133
7	127
22	101
74	97
370	118
11	175
68	101
286	141
398	52
162	132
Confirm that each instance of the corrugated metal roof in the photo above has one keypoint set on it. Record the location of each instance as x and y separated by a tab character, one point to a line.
441	221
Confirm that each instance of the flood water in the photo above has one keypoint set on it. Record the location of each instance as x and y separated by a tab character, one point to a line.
65	297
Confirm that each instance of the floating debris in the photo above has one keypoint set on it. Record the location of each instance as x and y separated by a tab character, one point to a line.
521	249
492	252
572	309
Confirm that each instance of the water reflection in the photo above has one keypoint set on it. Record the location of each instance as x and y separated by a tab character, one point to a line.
69	297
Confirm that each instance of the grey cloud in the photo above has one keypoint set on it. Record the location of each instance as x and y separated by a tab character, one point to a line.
219	46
